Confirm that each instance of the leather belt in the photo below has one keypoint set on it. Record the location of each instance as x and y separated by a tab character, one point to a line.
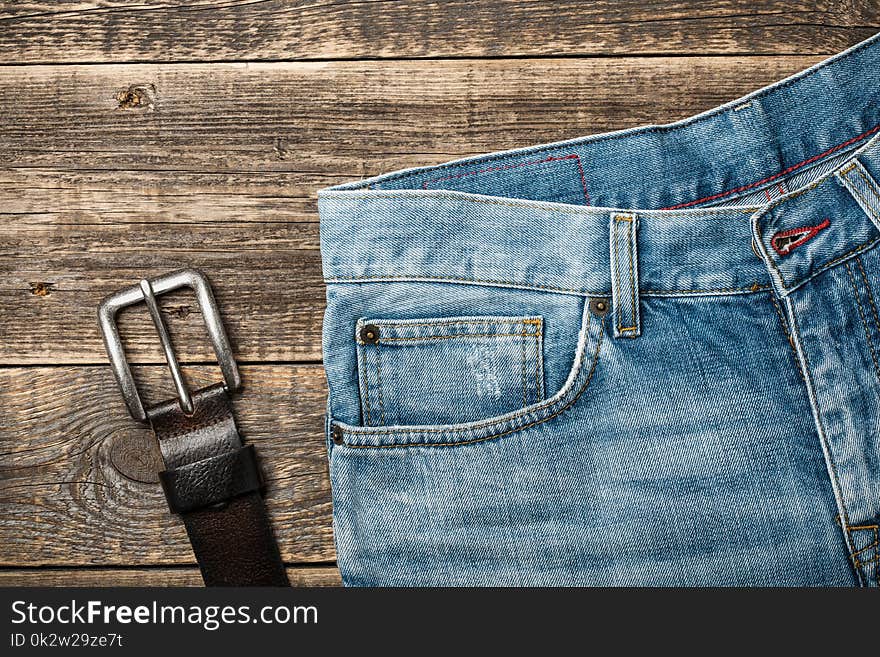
211	479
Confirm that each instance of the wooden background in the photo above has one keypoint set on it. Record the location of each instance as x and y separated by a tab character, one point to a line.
136	139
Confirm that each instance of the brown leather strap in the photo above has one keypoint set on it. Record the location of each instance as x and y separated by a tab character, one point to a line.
212	481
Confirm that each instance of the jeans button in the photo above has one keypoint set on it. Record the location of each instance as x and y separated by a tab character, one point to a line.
370	334
599	307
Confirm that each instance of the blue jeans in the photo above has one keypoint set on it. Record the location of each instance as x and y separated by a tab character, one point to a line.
650	357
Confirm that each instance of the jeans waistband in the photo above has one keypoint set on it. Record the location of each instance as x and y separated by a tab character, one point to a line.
730	201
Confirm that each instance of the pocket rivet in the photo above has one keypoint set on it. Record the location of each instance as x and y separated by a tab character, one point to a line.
337	436
599	307
370	334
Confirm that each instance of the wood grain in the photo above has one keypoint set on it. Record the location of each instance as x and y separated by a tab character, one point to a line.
298	576
200	30
78	478
345	118
221	174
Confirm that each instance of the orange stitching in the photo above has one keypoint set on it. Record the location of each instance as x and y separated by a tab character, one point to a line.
460	335
632	283
754	287
828	264
870	183
522	344
858	563
867	547
379	377
864	321
402	324
870	293
491	422
615	286
870	206
366	381
858	249
619	218
539	389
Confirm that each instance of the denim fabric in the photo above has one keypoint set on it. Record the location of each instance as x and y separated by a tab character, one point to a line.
650	357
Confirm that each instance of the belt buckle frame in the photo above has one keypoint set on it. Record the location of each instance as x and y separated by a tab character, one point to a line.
146	292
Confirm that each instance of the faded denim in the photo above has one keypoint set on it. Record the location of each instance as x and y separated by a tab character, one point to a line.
650	357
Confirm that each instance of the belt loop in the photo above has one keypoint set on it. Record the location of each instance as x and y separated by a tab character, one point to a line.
864	189
625	275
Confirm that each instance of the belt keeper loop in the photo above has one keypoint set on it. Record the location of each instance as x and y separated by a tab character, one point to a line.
864	189
625	275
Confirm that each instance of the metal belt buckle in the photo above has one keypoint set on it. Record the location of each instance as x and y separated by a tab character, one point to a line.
146	291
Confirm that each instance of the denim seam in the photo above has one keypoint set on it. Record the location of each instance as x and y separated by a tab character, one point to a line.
457	322
563	407
458	335
787	335
624	224
755	287
632	290
522	345
869	207
870	183
633	283
875	559
656	129
828	265
539	366
366	393
379	385
864	319
870	293
615	286
530	205
823	439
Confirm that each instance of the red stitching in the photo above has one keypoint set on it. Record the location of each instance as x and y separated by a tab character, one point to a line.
784	172
573	156
809	232
583	180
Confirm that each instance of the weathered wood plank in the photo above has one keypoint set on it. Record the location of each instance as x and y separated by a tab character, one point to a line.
221	174
78	478
351	118
266	278
190	30
298	576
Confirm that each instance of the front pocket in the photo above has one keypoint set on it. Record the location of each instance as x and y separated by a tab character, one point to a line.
447	370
